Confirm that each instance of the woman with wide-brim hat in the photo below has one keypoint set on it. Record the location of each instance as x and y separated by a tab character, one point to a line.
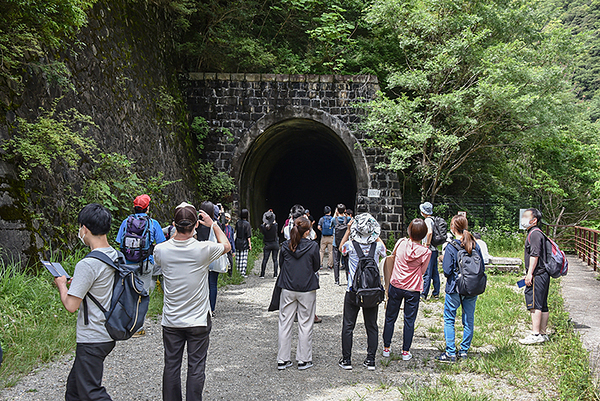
363	232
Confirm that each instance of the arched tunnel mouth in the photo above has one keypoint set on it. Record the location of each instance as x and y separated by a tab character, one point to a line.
296	161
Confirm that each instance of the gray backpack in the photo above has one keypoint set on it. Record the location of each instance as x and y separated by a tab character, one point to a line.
470	272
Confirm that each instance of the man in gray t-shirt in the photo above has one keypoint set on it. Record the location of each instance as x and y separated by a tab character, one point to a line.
96	278
431	274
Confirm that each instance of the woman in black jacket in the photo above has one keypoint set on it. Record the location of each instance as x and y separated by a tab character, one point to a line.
300	261
270	238
243	244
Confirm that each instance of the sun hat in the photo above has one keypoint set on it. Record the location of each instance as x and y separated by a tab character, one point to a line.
228	215
141	201
269	217
365	229
426	208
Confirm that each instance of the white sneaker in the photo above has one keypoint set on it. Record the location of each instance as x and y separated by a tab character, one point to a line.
386	352
406	356
532	339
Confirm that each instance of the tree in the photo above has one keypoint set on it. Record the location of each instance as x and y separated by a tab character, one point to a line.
464	78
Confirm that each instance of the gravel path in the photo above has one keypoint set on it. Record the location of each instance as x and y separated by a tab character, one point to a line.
242	357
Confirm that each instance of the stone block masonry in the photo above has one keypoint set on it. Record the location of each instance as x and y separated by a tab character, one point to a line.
246	103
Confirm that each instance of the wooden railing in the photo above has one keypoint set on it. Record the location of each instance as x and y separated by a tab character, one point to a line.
579	240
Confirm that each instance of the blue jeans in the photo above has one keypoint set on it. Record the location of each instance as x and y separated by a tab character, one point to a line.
432	273
213	278
411	308
453	301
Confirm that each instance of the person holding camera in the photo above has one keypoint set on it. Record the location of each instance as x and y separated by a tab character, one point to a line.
186	315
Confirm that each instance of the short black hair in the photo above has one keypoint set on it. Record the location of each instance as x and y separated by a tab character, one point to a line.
536	214
209	208
137	209
326	210
95	218
349	212
244	214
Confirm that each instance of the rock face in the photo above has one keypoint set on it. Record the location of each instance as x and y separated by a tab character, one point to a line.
123	77
271	117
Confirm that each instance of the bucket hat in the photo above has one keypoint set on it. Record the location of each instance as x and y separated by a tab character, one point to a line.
365	229
426	208
269	217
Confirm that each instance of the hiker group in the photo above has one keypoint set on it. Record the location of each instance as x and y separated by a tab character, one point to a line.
186	257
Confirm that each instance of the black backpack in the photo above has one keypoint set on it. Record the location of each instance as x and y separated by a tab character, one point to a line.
339	230
129	302
367	279
470	272
439	231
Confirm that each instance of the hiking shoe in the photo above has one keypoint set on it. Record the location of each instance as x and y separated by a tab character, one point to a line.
282	365
345	364
546	337
386	352
369	364
138	334
318	319
463	355
406	356
446	358
532	339
337	283
261	276
304	365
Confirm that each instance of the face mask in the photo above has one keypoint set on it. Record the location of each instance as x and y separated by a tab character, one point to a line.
81	237
525	222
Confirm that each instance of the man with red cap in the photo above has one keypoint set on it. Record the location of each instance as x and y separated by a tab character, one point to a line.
137	235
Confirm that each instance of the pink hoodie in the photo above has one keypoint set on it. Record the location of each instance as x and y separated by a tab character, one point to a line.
410	264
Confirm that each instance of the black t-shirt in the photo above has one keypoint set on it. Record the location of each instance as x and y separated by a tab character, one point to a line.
534	246
271	234
243	231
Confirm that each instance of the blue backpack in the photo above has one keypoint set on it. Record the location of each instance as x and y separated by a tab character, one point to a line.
129	302
136	243
327	228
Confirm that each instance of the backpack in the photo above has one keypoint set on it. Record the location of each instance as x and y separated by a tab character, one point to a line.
129	302
439	231
367	279
470	272
136	243
340	230
327	228
554	260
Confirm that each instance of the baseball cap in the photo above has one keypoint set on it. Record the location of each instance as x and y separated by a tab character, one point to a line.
185	215
142	201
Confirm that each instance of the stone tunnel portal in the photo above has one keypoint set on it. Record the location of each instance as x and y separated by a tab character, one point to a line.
296	161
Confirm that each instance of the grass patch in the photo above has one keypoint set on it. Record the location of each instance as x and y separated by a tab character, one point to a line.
444	390
34	326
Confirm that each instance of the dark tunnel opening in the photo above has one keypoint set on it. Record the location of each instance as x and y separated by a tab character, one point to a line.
297	161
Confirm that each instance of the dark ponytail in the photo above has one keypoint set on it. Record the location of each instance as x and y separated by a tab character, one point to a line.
300	227
461	225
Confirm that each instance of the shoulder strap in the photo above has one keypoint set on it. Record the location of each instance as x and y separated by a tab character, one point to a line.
455	245
372	250
101	256
358	249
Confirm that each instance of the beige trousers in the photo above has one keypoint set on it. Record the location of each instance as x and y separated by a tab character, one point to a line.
327	245
304	303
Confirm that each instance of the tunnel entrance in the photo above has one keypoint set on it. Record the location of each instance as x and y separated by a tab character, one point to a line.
296	161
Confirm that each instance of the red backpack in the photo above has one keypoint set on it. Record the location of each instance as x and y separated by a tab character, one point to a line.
554	260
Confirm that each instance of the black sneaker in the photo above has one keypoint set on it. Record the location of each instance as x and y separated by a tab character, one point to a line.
284	365
369	364
304	365
345	364
447	358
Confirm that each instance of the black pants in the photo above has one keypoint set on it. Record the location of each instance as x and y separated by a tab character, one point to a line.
230	257
337	263
85	380
349	321
174	340
271	248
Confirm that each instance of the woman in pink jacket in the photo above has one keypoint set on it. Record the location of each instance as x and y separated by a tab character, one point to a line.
406	283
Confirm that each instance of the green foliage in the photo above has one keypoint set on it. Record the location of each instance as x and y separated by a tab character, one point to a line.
28	28
53	141
466	78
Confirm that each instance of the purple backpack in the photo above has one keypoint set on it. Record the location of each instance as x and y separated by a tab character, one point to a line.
136	243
